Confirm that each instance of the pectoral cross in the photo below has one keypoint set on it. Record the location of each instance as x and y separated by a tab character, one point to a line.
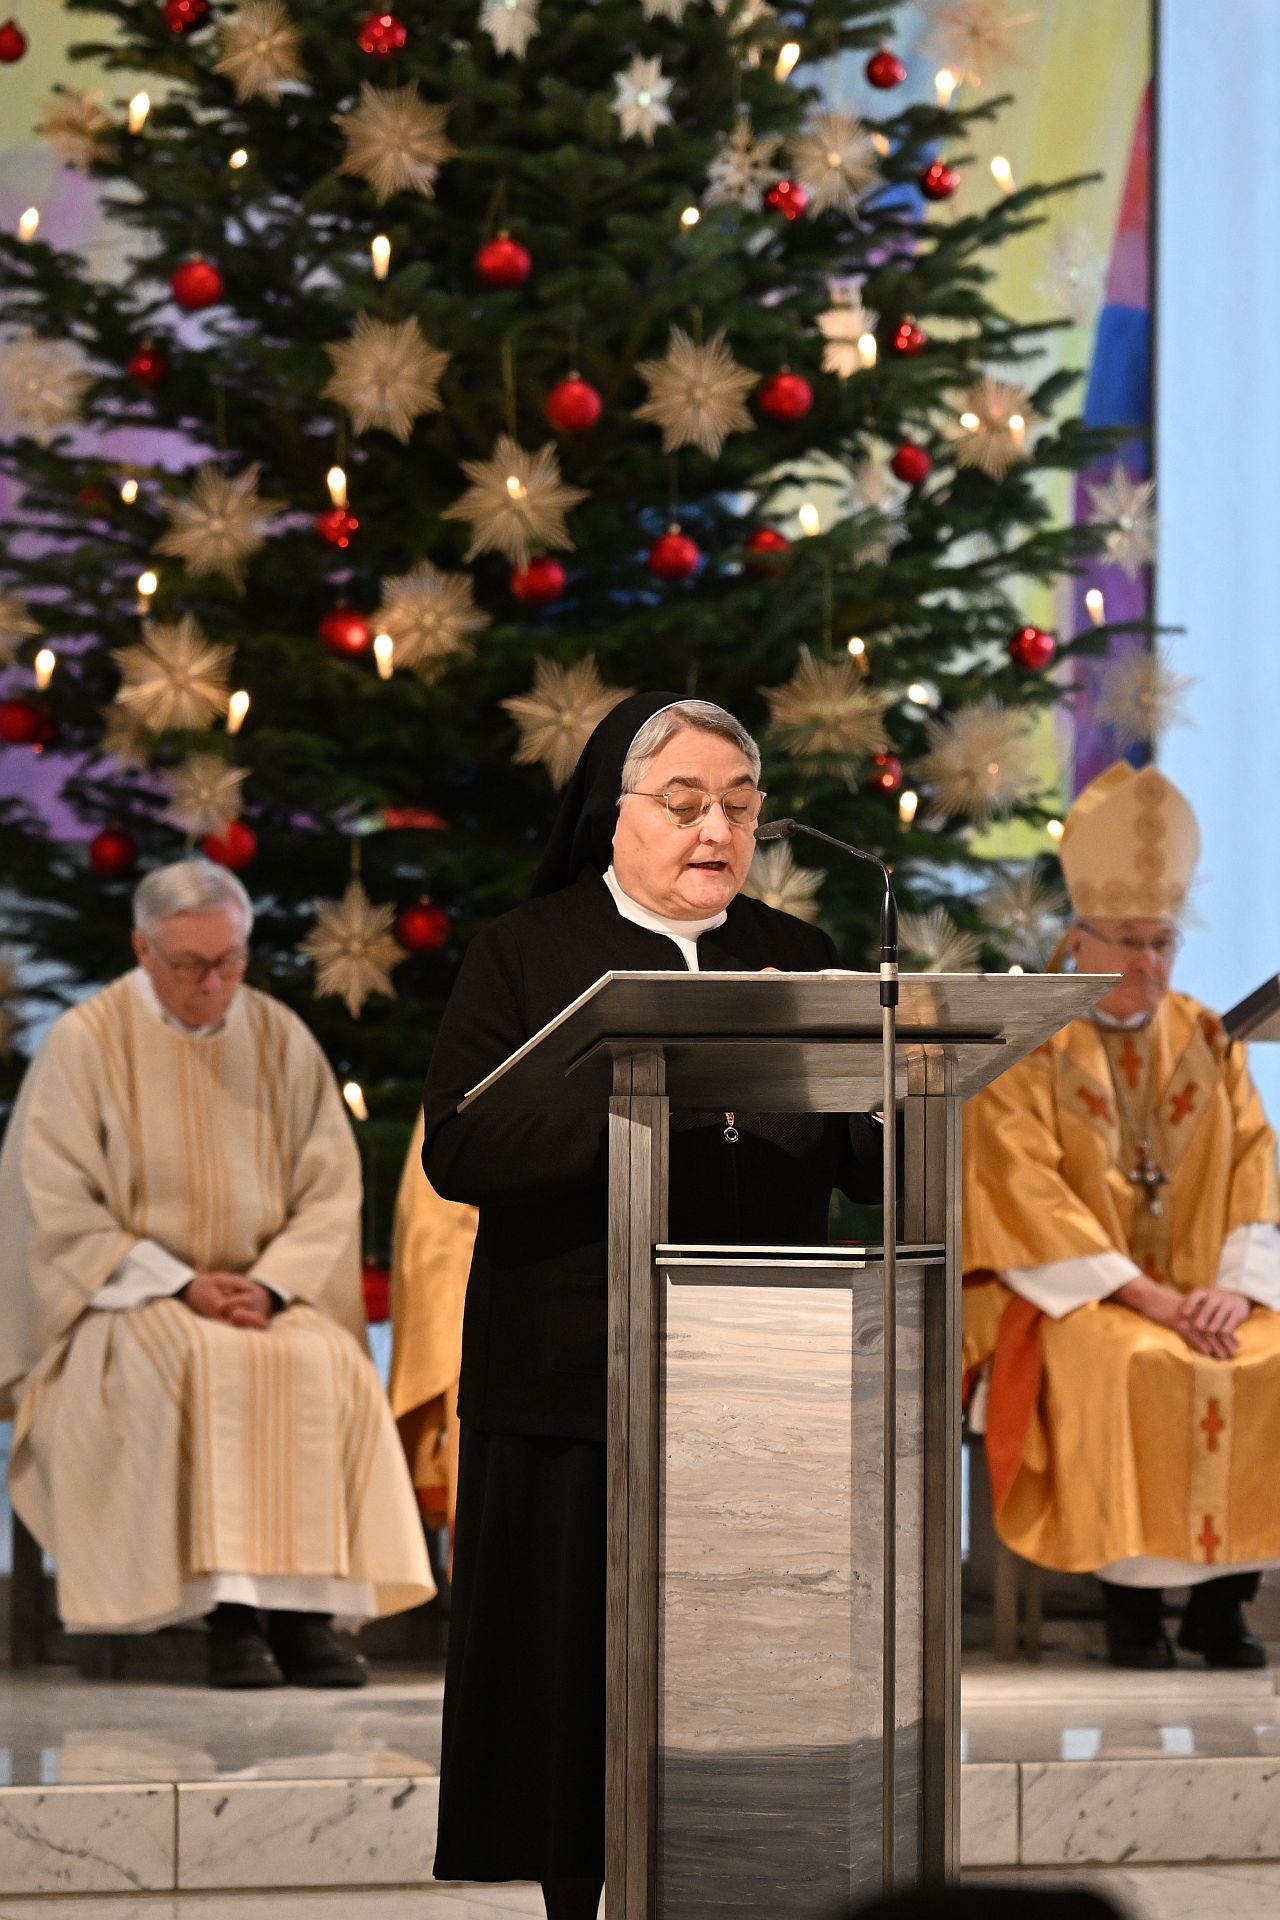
1150	1178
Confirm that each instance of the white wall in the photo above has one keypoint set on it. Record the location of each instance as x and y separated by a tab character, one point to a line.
1218	471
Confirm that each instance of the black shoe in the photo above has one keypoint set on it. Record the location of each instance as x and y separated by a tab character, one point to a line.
1149	1656
311	1654
239	1655
1223	1639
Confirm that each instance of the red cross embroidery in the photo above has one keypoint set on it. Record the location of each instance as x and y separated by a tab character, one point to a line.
1209	1539
1096	1105
1182	1105
1130	1062
1211	1426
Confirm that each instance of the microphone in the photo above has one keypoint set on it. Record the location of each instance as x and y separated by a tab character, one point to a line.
786	829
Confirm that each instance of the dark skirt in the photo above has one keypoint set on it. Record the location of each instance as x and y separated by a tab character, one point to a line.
522	1751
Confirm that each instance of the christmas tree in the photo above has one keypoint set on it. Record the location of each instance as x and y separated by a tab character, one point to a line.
501	359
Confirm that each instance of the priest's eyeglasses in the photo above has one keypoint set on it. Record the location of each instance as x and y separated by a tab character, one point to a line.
1164	945
689	806
230	965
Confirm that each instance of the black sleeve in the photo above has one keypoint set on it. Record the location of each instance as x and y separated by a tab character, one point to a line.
477	1157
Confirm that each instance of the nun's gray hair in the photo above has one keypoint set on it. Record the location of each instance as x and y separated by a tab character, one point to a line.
704	716
187	886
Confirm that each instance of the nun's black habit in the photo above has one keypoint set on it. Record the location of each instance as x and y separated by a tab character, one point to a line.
522	1786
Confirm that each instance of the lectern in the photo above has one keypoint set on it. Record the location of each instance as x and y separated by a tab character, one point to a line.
783	1733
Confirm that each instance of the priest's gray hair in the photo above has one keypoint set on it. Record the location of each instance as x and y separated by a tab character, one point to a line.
704	716
187	886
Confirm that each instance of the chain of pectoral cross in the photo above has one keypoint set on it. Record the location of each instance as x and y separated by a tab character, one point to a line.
1148	1175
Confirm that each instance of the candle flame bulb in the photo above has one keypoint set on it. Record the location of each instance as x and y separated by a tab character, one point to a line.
353	1094
240	158
1055	829
808	518
867	349
690	217
945	84
336	481
129	491
384	653
237	707
1096	606
148	584
380	252
788	54
139	108
46	661
1002	173
907	804
28	225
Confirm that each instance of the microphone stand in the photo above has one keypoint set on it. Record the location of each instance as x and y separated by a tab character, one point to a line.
785	830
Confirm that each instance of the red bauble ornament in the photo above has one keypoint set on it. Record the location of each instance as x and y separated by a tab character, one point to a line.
573	405
538	584
674	556
1033	648
13	42
422	928
503	262
196	283
908	338
147	366
112	851
345	630
762	542
235	846
382	33
19	722
375	1282
336	525
885	70
785	396
185	15
911	463
788	198
91	499
939	181
886	773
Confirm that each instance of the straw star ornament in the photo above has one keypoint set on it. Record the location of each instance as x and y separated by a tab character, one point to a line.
1140	698
516	502
386	375
16	625
834	159
175	678
696	393
353	948
776	877
510	24
981	762
935	941
220	524
124	740
395	140
842	327
1024	915
559	714
73	124
429	615
825	708
204	793
743	168
640	94
672	10
42	383
260	50
974	37
1124	507
994	425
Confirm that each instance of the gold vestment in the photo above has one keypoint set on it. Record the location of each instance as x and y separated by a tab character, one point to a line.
1107	1437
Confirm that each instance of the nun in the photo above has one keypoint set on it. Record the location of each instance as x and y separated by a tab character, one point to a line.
644	871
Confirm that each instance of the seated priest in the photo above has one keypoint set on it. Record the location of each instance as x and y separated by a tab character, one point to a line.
1122	1264
199	1429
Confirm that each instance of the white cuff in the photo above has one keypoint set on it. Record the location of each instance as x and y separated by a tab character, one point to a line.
147	1272
1063	1285
1250	1263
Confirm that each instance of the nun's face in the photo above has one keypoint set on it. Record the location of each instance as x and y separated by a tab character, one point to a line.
691	872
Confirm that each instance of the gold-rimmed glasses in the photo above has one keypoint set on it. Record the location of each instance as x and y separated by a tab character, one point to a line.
689	806
193	967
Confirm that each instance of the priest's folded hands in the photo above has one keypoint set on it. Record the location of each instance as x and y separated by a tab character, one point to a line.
229	1297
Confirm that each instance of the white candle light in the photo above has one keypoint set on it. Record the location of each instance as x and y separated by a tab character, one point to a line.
336	481
129	491
867	349
1095	606
945	85
380	253
384	653
353	1094
46	661
148	585
29	225
139	108
788	54
237	707
1002	173
240	158
907	804
808	518
1055	829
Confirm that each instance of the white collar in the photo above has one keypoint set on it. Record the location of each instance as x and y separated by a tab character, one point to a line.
1115	1024
151	998
658	922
